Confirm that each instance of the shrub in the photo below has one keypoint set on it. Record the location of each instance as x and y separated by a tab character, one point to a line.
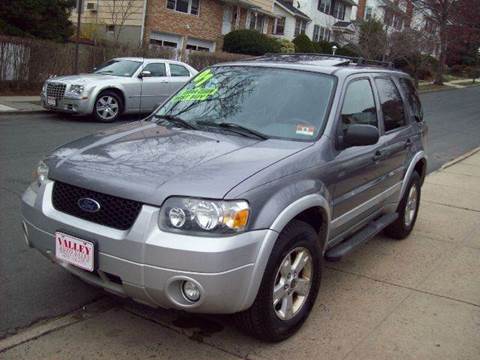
457	70
472	72
249	42
202	59
303	44
286	46
323	47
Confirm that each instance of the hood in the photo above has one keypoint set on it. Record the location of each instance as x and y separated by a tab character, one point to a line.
82	79
146	162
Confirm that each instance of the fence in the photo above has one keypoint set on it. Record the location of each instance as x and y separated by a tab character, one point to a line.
26	63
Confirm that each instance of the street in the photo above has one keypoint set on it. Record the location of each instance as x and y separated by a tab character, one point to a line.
34	289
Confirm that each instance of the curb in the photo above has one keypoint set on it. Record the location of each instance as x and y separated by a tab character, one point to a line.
460	158
20	112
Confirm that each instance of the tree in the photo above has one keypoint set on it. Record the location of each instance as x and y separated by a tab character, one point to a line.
372	41
448	14
46	19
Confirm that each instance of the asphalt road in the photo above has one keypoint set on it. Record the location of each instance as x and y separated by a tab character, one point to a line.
31	288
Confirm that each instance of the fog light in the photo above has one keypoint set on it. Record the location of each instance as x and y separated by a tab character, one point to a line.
191	291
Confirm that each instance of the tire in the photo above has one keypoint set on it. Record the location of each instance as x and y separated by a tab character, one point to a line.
108	107
403	226
263	319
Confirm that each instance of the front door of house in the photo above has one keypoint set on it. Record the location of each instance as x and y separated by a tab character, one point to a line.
227	20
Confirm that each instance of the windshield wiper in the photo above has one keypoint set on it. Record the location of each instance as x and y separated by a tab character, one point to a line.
176	120
236	128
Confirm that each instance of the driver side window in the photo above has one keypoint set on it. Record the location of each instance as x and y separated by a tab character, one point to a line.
156	69
359	105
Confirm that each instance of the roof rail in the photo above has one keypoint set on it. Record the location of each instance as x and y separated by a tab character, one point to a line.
318	56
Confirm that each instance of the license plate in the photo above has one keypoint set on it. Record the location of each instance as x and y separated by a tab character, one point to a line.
51	101
74	251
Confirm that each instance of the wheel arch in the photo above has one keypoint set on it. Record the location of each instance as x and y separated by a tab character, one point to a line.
117	91
418	163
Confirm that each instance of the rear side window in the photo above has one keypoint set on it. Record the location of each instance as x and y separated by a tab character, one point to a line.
412	97
391	104
157	69
178	70
359	105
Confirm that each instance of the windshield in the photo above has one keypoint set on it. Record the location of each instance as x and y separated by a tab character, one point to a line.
118	68
278	103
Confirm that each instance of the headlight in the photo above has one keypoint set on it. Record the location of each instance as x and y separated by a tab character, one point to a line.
77	89
202	216
41	173
44	87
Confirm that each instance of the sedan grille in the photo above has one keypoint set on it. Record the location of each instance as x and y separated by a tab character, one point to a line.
56	90
113	211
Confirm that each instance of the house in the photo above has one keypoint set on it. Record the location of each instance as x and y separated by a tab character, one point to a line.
201	24
327	20
396	15
112	20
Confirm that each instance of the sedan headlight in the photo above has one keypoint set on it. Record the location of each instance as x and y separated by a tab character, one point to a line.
204	217
41	173
44	88
77	89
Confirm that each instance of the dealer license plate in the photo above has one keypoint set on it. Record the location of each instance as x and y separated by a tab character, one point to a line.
74	251
51	101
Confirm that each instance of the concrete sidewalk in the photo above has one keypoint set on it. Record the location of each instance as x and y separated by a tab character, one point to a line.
22	104
413	299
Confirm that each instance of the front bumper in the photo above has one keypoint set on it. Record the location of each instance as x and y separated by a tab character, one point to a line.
149	265
80	106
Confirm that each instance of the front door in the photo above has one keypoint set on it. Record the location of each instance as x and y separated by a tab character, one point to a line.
357	169
227	20
156	87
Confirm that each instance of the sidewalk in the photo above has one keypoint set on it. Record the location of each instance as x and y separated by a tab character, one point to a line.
413	299
9	104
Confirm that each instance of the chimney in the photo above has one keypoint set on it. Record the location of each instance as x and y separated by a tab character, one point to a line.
361	9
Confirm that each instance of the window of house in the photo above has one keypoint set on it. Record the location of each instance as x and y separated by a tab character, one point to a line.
257	22
196	48
110	28
316	33
412	97
185	6
359	105
279	28
324	6
326	37
300	26
339	10
156	69
368	12
391	104
178	70
322	32
388	17
163	43
397	22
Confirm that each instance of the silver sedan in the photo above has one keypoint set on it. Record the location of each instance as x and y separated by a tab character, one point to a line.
119	86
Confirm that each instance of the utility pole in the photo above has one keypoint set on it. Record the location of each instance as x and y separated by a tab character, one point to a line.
77	45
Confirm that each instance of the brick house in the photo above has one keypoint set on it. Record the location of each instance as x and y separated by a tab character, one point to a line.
201	24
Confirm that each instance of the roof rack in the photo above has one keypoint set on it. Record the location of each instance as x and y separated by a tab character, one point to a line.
342	60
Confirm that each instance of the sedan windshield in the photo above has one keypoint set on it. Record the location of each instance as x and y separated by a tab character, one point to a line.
118	68
271	102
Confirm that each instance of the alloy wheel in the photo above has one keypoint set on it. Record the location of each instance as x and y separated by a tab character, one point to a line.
292	283
107	107
411	206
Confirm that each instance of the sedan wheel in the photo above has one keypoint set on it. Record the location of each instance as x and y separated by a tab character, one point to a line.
107	108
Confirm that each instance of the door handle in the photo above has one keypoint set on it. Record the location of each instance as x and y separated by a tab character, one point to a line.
378	155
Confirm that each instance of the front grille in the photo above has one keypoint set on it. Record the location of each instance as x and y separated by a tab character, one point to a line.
114	212
56	90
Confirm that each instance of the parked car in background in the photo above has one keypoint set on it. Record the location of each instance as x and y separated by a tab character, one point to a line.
229	197
119	86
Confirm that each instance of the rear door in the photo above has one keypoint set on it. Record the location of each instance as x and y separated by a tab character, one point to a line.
397	138
179	75
156	87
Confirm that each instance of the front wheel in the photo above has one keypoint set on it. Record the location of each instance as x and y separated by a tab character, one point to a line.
108	107
289	286
407	210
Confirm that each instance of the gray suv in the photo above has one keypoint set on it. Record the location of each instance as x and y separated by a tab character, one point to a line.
231	195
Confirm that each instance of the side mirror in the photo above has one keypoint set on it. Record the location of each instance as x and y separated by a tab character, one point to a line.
95	68
145	74
360	135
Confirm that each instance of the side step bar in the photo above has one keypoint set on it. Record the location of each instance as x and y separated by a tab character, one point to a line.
368	232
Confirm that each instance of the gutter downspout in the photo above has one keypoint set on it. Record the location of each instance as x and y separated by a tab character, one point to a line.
144	16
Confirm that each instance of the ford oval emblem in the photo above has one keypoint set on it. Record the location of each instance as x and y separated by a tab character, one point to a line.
88	205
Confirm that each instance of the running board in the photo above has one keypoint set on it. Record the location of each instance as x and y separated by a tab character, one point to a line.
368	232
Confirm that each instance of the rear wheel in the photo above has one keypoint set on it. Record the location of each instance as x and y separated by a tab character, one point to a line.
407	210
108	107
289	286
